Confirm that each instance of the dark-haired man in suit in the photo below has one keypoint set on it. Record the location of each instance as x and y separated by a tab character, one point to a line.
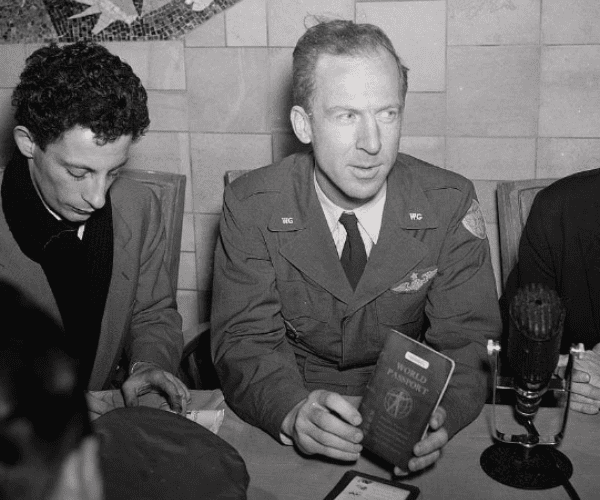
85	246
560	247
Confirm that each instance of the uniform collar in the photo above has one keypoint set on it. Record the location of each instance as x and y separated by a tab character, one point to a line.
407	196
298	201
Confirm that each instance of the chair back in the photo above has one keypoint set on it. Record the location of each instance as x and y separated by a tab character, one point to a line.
170	190
514	202
232	175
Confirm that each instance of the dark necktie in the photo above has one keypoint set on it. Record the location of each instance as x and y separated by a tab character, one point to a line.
354	256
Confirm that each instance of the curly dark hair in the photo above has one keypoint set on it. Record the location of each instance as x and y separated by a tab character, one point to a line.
338	38
84	85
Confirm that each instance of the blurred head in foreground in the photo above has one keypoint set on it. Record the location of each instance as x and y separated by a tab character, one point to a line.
47	450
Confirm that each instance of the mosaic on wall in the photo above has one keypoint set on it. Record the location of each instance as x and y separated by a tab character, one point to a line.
31	21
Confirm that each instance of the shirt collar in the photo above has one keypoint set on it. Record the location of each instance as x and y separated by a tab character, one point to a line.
369	215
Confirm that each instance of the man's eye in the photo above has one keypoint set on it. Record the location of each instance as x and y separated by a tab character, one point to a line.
346	117
388	116
76	174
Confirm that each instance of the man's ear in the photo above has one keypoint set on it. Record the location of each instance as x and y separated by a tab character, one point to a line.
24	141
301	124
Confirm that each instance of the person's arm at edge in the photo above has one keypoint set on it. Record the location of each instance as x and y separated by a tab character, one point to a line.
155	342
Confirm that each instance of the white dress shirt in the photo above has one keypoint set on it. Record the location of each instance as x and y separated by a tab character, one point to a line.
369	218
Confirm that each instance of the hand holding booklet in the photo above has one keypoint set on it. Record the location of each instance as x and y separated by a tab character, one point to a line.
406	387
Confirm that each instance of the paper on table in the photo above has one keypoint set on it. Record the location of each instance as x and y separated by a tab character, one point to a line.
204	405
210	419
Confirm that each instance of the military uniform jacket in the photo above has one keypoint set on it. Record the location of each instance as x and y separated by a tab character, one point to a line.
560	247
286	321
140	315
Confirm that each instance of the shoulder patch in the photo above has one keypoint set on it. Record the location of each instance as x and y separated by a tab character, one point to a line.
473	221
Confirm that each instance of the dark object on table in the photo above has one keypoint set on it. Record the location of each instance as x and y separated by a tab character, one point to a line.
529	461
155	454
360	485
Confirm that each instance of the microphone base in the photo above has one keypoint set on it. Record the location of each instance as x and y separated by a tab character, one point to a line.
538	468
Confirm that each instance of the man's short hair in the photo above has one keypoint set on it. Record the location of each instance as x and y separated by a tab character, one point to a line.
84	85
43	413
336	38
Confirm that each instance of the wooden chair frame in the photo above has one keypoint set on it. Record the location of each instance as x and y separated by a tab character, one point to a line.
514	202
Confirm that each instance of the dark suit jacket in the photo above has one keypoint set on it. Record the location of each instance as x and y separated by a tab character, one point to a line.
286	321
560	247
140	314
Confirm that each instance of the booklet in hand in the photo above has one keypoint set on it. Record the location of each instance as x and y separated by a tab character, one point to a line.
407	385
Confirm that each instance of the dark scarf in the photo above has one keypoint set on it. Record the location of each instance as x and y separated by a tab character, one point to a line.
78	271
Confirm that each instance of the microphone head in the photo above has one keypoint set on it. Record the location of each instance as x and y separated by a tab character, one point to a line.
535	332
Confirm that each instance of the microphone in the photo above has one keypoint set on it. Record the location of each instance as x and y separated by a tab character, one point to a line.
535	331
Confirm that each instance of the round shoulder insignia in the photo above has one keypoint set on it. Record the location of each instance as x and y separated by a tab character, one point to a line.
473	221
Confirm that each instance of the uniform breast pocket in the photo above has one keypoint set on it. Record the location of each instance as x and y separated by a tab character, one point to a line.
302	303
402	311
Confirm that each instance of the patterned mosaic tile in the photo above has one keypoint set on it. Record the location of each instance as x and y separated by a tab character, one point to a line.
25	21
103	20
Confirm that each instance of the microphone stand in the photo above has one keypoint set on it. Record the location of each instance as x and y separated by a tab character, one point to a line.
526	461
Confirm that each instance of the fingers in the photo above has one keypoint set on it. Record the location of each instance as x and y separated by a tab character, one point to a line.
428	450
150	378
585	393
583	404
419	463
337	404
96	406
399	472
438	417
325	423
132	389
328	445
431	443
586	390
580	376
176	391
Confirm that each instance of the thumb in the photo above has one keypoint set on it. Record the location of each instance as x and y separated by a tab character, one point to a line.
170	390
130	394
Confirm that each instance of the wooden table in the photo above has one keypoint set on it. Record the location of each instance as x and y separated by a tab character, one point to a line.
278	472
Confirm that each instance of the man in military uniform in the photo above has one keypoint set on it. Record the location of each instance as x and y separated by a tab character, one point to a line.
303	300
